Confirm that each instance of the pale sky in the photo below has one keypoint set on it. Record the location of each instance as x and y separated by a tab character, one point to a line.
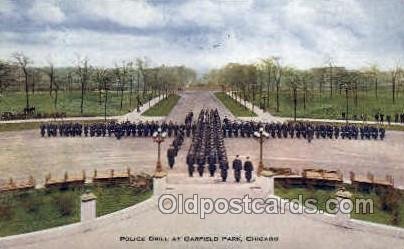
205	34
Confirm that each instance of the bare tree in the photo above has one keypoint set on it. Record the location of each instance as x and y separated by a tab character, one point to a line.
330	66
294	82
395	77
278	76
305	78
82	70
103	77
130	75
69	81
33	80
347	83
22	62
97	75
50	72
269	64
6	76
373	73
56	90
121	73
139	70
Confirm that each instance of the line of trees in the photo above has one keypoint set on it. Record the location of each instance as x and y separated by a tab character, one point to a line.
268	78
136	78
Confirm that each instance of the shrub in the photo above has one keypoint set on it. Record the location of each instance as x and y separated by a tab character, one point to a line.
390	199
65	203
32	204
395	219
6	209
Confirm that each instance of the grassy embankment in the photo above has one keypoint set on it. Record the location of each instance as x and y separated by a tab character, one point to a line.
381	214
40	209
326	107
163	107
69	102
235	108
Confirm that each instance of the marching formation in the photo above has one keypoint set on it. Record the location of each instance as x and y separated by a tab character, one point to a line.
175	146
304	130
229	129
207	146
118	130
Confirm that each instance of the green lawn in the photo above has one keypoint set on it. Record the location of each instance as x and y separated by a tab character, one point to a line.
379	215
69	102
325	106
40	209
163	107
235	108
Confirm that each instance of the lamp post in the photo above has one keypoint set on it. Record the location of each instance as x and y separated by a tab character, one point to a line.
260	135
158	137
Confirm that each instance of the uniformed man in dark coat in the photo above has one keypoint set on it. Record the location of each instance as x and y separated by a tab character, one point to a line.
248	168
42	130
171	157
237	167
224	166
212	163
190	163
86	130
201	164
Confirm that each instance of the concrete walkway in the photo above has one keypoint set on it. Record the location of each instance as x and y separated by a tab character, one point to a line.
136	116
144	221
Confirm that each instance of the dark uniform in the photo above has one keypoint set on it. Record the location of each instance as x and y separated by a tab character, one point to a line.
237	167
212	164
248	168
171	157
201	165
42	130
190	163
223	170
